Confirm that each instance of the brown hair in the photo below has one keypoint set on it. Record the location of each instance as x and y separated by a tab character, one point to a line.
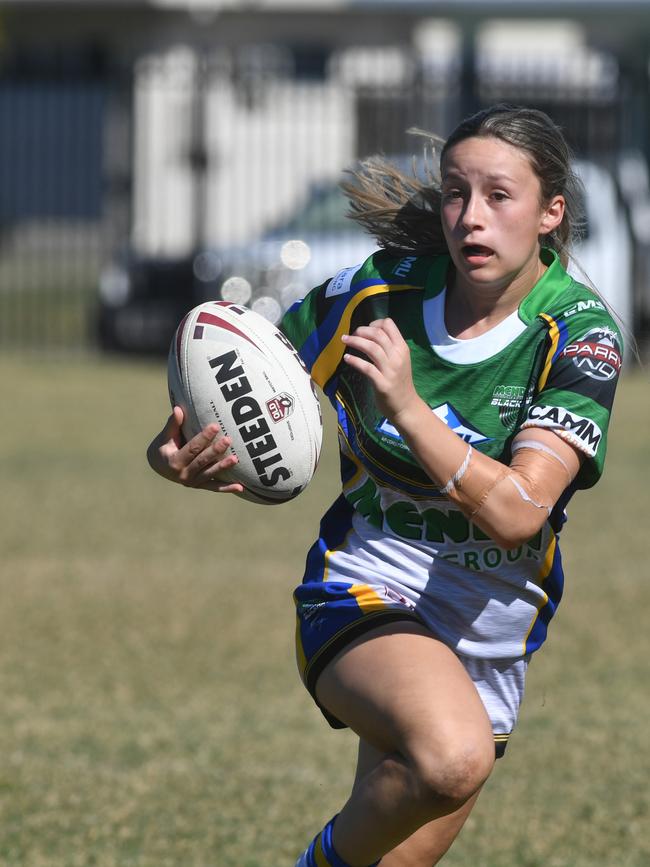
401	209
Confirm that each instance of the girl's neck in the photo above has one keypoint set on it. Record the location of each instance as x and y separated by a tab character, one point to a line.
471	311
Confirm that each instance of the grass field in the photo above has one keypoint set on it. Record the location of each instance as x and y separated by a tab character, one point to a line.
151	711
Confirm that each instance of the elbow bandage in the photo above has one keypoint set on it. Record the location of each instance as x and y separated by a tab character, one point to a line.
533	473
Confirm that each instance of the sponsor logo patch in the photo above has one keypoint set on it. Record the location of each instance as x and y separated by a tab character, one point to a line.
581	306
451	417
341	282
508	398
404	266
280	406
597	354
584	431
508	395
454	420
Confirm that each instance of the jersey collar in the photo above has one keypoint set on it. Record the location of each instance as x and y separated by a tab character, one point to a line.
551	284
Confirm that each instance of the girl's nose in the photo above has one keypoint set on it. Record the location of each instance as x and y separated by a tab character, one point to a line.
473	213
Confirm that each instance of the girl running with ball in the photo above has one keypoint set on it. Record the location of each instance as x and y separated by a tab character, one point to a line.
473	380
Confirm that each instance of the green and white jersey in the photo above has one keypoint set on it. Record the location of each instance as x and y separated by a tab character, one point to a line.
553	363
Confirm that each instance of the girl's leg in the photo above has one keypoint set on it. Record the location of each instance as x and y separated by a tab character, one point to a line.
407	695
429	843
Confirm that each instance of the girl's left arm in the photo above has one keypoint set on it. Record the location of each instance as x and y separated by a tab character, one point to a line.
509	503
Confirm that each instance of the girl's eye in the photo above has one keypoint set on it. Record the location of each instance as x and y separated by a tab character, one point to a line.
498	196
452	194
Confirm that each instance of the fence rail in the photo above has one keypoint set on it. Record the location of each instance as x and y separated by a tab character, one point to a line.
186	153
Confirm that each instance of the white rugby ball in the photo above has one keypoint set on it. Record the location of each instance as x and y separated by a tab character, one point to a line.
227	364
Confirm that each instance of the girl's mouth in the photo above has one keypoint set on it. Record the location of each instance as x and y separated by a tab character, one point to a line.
476	254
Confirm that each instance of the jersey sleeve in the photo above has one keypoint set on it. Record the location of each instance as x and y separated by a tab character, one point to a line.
577	384
315	324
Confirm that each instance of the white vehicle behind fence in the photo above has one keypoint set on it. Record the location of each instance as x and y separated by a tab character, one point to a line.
141	300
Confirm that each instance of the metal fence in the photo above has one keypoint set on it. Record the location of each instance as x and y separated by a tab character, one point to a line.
114	180
60	142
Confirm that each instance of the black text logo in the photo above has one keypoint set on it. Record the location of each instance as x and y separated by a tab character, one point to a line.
575	426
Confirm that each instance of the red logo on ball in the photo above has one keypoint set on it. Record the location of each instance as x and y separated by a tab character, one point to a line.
280	406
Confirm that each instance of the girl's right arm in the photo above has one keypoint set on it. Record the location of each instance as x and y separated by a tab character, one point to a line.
197	463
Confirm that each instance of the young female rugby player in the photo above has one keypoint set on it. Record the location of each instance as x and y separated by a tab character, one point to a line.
473	380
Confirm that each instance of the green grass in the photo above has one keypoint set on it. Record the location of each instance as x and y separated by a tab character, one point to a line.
58	316
151	712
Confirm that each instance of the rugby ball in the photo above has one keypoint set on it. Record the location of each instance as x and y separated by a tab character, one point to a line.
230	365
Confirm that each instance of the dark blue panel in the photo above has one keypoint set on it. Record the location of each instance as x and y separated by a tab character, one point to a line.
51	149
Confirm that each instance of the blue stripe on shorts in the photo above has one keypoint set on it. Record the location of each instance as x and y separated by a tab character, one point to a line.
330	615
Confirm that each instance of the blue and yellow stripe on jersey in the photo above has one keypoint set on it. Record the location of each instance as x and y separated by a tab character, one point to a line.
316	326
558	335
331	355
551	581
321	348
332	351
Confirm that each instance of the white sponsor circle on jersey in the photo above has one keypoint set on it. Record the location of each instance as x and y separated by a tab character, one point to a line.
341	282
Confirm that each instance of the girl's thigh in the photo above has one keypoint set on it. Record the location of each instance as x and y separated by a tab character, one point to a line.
400	689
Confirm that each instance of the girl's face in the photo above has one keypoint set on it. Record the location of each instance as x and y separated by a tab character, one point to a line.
492	215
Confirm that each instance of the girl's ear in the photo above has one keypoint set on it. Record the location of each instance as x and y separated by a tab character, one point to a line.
552	215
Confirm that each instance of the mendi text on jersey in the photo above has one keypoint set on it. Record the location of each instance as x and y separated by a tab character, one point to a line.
553	363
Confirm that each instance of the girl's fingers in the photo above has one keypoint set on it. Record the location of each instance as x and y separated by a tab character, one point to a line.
197	454
209	478
172	426
178	416
235	488
363	366
376	333
212	455
171	432
210	472
380	341
389	327
197	463
200	442
371	348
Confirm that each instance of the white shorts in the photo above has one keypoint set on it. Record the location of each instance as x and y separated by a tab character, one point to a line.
332	614
500	684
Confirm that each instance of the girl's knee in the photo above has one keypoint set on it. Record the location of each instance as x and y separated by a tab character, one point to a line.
450	775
